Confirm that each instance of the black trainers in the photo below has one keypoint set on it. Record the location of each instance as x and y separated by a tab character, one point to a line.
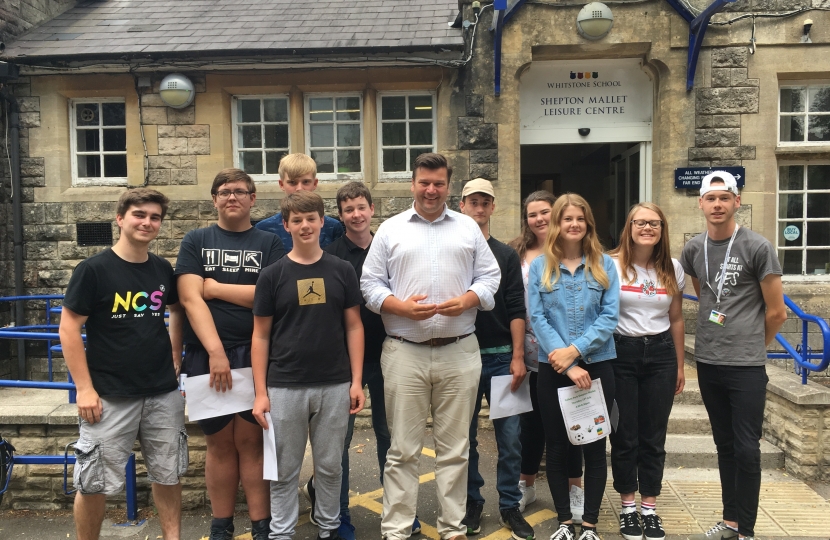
472	519
221	532
653	527
311	495
260	529
520	528
630	528
564	532
333	535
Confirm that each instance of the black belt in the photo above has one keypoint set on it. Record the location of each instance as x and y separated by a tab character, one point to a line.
434	342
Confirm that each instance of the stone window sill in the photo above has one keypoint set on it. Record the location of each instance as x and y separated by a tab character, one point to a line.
812	151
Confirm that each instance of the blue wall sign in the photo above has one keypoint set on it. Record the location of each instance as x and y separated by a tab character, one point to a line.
691	177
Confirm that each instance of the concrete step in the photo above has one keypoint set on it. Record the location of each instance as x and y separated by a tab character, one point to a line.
699	451
689	420
690	394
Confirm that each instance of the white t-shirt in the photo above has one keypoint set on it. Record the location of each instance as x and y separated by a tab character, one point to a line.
644	304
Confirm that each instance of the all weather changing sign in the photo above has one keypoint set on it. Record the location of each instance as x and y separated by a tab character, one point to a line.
692	177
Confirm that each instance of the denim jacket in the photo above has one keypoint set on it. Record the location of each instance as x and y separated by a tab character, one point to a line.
577	311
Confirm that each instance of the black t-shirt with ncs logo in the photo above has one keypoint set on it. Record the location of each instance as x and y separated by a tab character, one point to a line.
308	337
234	258
128	349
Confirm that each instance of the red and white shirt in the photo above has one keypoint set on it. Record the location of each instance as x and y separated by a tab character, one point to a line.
644	304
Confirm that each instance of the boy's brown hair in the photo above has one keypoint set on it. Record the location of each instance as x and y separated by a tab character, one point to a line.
301	202
352	190
296	165
139	196
226	176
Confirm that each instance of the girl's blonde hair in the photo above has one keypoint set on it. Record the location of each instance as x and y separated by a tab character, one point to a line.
591	247
661	256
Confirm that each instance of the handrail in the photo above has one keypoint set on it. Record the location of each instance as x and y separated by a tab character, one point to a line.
20	333
802	359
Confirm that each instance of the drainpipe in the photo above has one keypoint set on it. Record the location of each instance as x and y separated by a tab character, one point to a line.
13	119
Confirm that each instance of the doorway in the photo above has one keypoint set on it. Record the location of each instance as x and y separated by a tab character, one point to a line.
610	176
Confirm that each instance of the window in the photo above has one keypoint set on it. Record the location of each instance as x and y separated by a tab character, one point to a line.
334	136
407	128
260	134
804	113
804	218
99	142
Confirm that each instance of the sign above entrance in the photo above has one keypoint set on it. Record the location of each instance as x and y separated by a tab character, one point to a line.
691	177
590	101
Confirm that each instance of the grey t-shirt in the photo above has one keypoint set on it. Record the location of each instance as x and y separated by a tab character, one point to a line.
740	342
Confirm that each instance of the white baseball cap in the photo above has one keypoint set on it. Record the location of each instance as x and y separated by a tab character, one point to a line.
478	185
729	183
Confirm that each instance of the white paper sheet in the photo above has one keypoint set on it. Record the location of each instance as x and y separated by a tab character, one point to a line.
205	402
585	413
269	451
506	403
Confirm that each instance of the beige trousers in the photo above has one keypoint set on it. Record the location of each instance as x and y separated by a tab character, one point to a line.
417	378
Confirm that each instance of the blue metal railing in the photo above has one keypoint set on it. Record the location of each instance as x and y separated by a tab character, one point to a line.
34	331
802	359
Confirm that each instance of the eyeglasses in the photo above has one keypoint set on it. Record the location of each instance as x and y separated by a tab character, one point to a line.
653	223
226	193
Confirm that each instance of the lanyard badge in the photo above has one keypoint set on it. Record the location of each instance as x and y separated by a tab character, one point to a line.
717	316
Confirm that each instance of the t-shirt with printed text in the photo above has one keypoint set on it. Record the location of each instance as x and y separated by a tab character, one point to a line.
308	337
740	341
644	303
128	349
235	258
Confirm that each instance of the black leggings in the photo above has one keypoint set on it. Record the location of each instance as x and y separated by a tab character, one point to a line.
533	439
556	436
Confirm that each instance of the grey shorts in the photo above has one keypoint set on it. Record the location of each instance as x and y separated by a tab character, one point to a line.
103	448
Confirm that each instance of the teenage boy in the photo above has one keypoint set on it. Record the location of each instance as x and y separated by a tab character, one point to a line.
308	363
428	272
126	377
737	278
298	172
217	270
501	335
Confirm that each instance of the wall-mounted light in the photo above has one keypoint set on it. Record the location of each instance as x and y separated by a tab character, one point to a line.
594	21
805	38
177	91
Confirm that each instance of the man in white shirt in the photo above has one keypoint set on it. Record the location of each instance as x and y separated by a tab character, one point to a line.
427	273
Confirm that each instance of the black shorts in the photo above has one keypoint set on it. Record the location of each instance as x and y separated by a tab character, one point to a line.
197	362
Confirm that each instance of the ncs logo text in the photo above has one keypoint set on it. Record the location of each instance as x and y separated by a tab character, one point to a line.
137	302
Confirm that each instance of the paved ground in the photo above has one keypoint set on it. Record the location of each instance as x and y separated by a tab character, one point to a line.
690	502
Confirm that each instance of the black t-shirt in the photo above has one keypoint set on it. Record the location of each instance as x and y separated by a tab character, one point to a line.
373	328
234	258
308	337
128	349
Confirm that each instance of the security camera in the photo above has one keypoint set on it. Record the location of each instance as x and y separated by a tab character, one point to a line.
584	131
808	24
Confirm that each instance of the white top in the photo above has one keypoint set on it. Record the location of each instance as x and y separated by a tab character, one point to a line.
442	259
644	304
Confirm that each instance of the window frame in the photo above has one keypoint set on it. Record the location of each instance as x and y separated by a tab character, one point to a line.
265	177
336	176
84	181
407	174
804	220
779	114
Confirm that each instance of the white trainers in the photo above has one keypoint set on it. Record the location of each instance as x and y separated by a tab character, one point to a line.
528	495
577	504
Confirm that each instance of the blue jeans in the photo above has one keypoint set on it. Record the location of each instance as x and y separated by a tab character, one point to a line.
507	439
645	378
373	378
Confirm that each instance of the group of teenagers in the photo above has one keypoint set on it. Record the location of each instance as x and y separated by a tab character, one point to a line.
423	312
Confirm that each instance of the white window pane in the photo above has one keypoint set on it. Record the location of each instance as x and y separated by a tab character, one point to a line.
818	233
820	99
791	206
792	128
348	108
115	140
272	162
115	166
247	110
86	114
87	140
818	261
324	160
320	109
114	114
819	128
393	108
250	136
420	107
251	162
790	261
348	135
348	161
394	134
394	160
790	177
276	136
276	110
793	99
818	205
818	177
322	135
420	133
89	166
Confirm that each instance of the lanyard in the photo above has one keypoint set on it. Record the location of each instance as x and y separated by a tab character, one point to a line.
723	268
